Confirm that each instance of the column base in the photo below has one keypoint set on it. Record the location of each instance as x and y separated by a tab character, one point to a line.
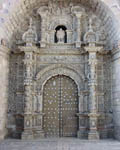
93	135
27	135
33	135
39	134
82	134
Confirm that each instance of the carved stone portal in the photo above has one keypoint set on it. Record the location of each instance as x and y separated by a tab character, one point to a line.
61	59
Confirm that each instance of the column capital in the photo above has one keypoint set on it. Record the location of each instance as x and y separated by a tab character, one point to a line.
93	49
79	14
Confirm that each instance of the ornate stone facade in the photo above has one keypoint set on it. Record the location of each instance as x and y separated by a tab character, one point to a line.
61	40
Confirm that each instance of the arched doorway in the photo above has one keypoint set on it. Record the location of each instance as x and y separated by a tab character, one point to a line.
60	105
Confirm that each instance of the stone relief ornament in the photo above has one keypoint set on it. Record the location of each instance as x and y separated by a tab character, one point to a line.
60	35
58	8
30	36
90	36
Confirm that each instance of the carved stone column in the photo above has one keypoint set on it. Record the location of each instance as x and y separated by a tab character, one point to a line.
43	32
4	75
52	36
82	133
93	116
79	17
43	14
28	83
33	107
38	117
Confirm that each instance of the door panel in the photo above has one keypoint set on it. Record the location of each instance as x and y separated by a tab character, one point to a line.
51	100
69	99
60	107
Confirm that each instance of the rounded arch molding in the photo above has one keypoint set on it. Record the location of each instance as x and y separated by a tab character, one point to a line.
55	23
44	75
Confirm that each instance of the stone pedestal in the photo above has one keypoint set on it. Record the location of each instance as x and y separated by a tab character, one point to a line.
38	126
27	135
28	132
4	73
82	132
93	133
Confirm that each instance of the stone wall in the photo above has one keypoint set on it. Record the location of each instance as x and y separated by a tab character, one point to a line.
116	92
16	92
4	67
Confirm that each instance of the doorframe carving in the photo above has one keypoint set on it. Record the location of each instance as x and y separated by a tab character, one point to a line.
59	69
45	74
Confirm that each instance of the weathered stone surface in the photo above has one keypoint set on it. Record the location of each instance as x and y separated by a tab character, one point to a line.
43	53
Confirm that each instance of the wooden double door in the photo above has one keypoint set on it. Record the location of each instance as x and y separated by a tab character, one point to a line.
60	104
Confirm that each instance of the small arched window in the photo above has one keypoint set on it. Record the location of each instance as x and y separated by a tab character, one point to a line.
60	28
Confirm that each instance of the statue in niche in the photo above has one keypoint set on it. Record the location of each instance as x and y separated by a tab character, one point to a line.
60	36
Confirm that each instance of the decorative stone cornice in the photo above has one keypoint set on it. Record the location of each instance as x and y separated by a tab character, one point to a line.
28	48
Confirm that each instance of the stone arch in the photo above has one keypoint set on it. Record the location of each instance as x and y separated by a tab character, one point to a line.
43	76
59	22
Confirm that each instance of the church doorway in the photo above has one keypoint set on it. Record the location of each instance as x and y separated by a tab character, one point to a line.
60	106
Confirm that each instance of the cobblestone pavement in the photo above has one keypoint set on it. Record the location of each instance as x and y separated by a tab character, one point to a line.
60	144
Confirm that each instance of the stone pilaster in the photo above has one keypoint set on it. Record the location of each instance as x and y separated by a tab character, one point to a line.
38	117
43	28
32	116
83	117
52	36
93	115
69	36
28	77
4	74
79	29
